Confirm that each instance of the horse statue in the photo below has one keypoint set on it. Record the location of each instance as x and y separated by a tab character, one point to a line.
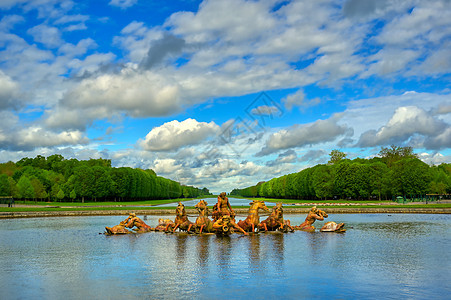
313	215
181	219
134	221
163	223
333	227
275	221
252	220
117	229
203	223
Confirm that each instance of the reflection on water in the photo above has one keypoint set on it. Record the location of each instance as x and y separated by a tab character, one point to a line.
380	256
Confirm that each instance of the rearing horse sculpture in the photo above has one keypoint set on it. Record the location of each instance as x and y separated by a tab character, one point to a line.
202	221
275	221
181	219
252	220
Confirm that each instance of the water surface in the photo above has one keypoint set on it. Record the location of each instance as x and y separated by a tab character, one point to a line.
380	256
210	202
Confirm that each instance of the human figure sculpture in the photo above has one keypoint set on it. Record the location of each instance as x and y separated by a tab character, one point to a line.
117	229
181	219
252	220
275	221
163	223
134	221
333	227
313	215
203	223
223	207
225	226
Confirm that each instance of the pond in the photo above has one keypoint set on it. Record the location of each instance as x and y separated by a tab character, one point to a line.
210	201
380	256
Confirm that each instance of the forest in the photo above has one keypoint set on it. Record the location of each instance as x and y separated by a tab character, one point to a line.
395	172
58	179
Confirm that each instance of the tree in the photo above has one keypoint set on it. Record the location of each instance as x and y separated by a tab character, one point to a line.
336	156
83	181
410	176
5	189
39	189
73	195
25	188
322	180
396	153
60	195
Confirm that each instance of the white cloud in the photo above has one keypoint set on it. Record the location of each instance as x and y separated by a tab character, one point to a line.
137	95
231	20
265	110
9	90
320	131
123	4
388	61
405	123
175	134
434	158
36	137
15	136
166	166
298	99
47	35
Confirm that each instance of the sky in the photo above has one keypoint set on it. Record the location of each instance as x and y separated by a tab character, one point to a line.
224	94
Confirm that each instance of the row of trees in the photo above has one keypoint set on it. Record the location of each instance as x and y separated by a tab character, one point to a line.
395	172
56	178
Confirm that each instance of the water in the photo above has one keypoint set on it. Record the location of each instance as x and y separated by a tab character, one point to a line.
210	202
381	256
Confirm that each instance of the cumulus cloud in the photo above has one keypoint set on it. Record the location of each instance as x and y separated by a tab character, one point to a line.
298	100
286	157
130	93
369	9
174	135
47	35
434	158
123	4
313	156
405	123
265	110
14	136
162	48
303	135
388	61
9	90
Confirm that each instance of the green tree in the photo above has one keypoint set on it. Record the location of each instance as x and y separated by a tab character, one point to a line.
336	156
25	188
410	176
396	153
322	181
83	181
5	189
73	195
60	195
39	189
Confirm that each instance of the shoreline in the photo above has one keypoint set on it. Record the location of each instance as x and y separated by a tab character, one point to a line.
239	211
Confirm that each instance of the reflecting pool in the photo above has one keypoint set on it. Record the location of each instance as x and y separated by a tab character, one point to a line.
380	256
210	202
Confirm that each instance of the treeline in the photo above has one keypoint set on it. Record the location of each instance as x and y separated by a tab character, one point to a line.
395	172
58	179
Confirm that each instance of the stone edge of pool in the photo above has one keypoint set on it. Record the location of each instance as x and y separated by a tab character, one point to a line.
239	211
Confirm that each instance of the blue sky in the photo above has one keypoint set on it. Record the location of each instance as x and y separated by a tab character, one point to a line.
224	94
